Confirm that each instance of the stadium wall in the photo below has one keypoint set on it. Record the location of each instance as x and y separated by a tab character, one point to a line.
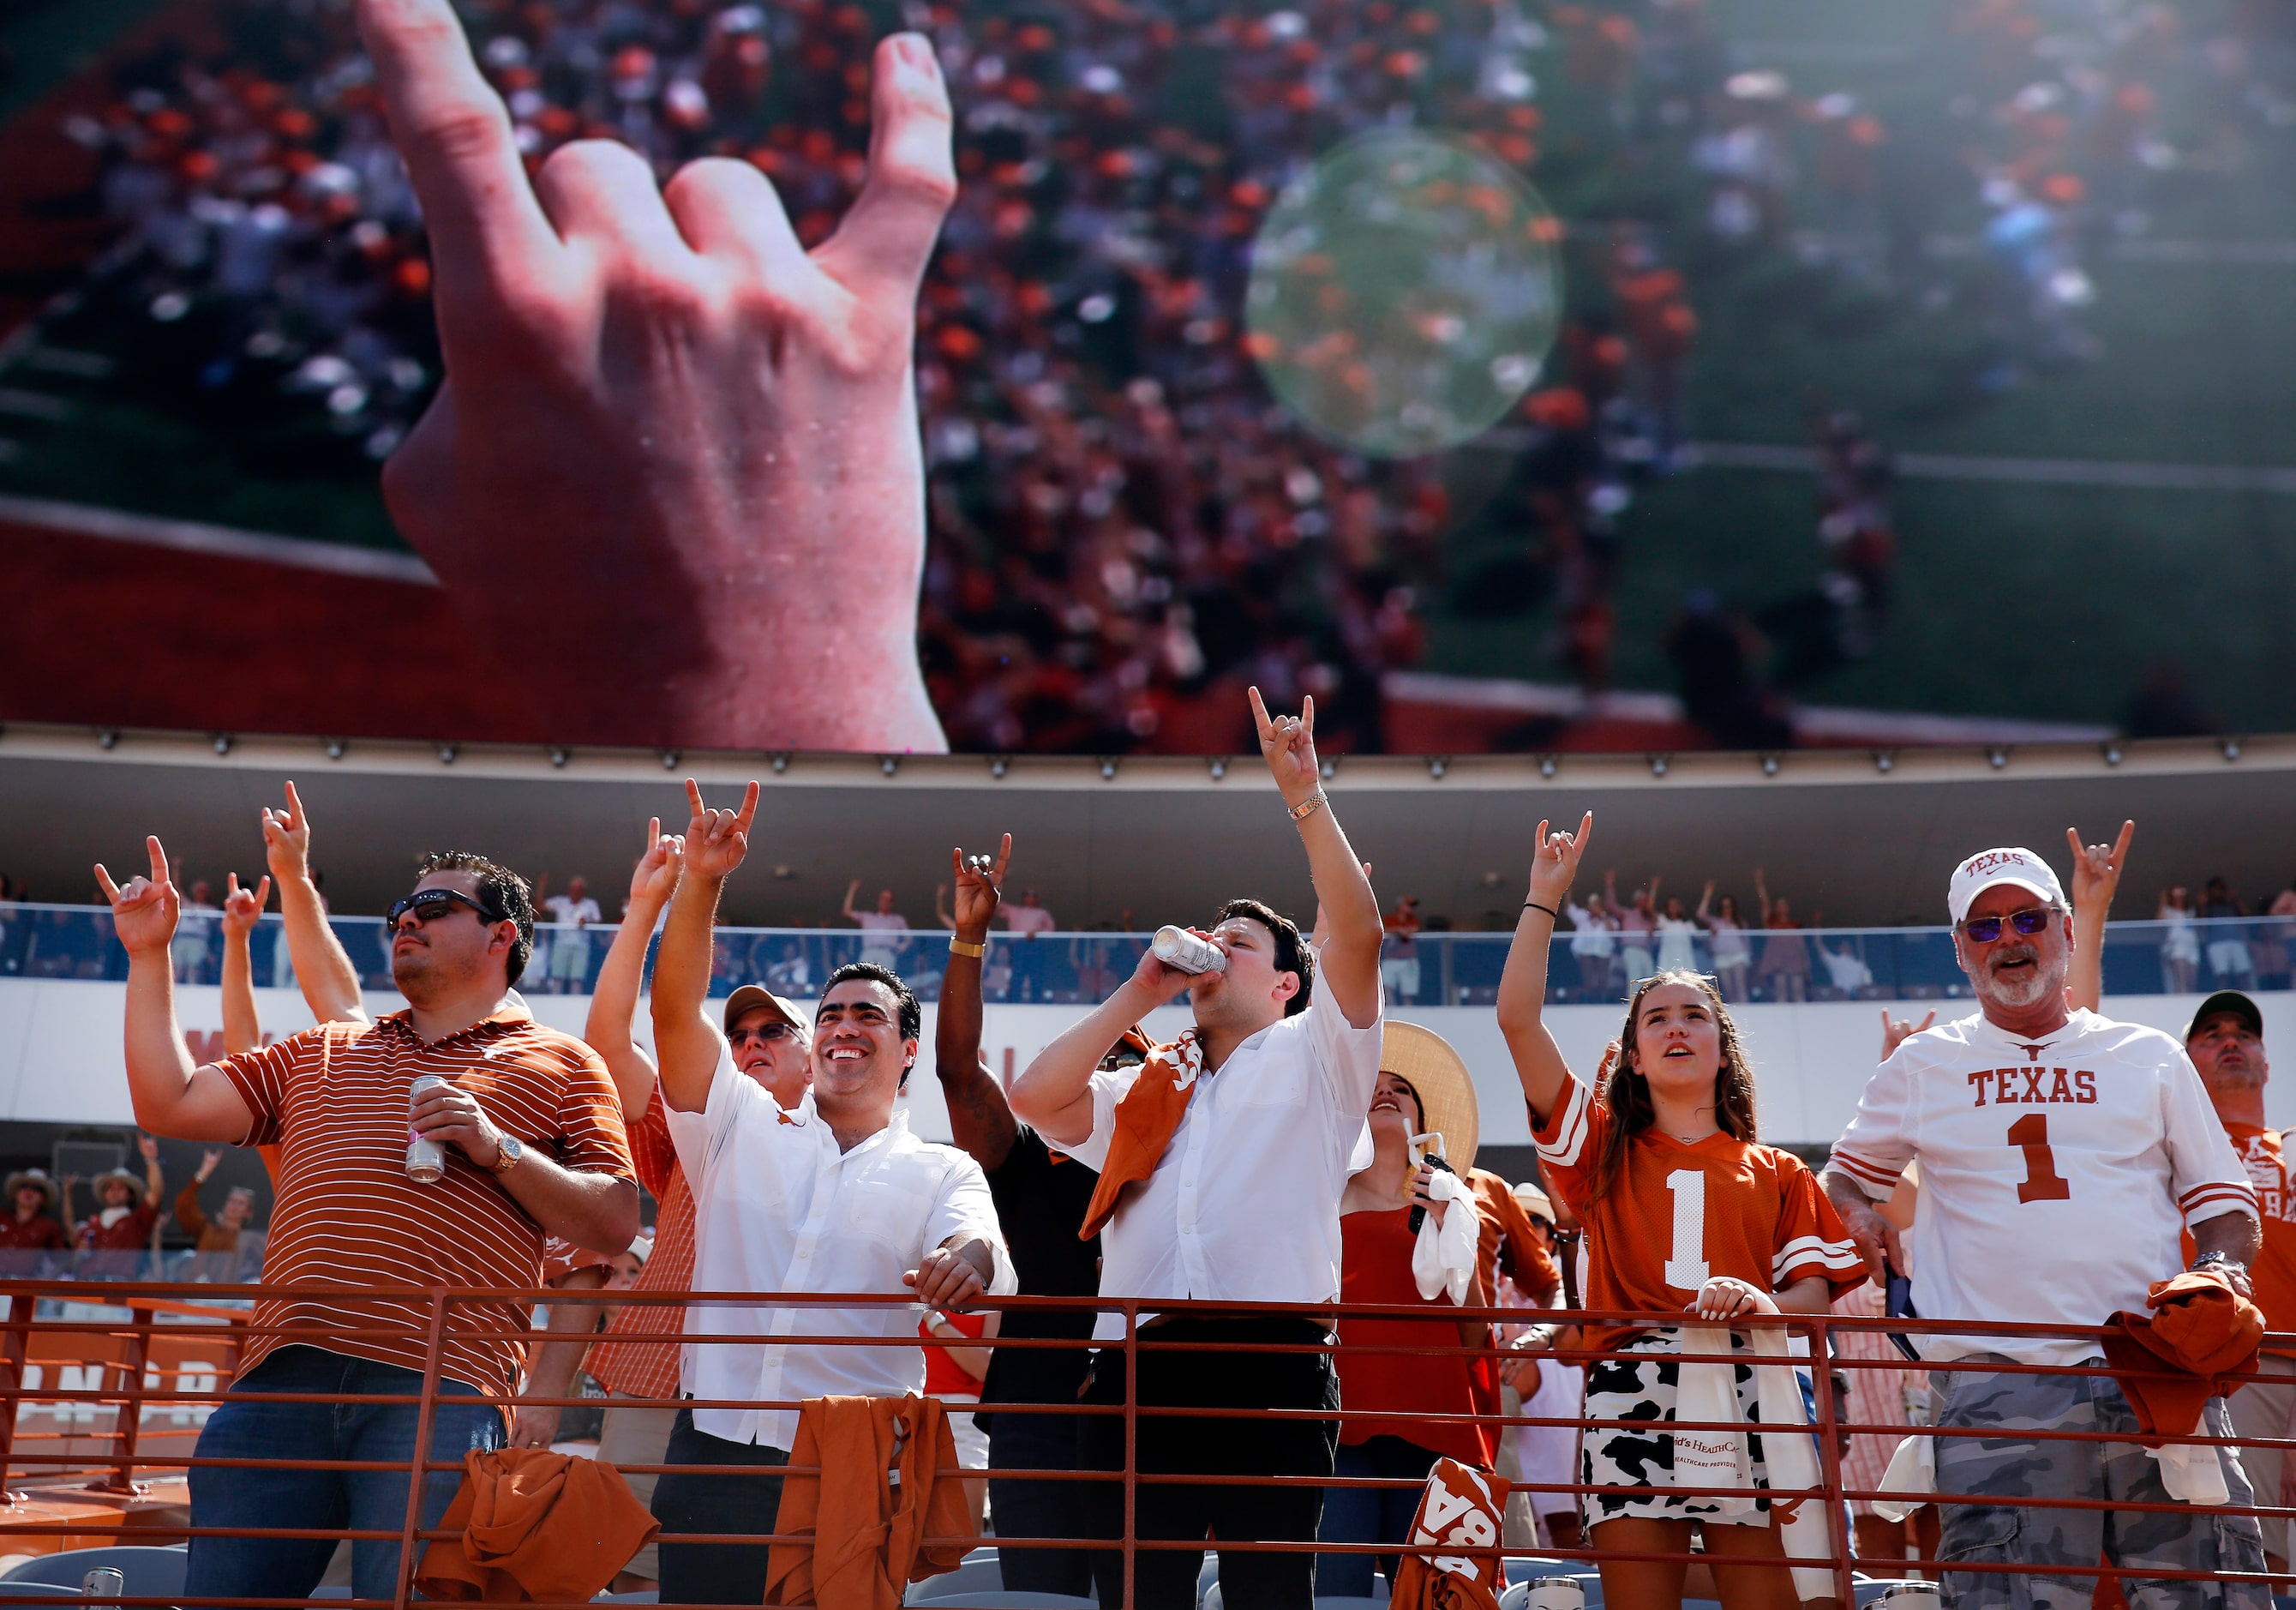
60	1051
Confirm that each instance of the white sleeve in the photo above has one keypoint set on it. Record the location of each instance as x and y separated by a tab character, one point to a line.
695	1135
966	1208
1875	1148
1107	1089
2205	1172
1345	1056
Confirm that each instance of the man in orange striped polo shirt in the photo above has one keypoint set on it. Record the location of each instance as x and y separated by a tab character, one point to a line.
534	1146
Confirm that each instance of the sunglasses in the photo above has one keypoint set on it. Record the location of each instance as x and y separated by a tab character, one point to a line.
428	905
765	1035
1985	930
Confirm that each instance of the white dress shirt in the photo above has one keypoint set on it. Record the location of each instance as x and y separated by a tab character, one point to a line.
778	1208
1244	1204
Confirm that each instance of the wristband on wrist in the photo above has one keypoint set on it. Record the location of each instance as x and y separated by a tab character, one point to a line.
957	946
1309	805
1535	905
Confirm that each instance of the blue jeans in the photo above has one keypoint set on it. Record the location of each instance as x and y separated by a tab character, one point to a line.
358	1500
1369	1514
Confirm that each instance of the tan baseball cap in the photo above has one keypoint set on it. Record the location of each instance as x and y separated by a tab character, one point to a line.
750	996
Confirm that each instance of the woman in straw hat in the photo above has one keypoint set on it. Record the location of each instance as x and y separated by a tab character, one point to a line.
33	1228
1423	1093
1686	1213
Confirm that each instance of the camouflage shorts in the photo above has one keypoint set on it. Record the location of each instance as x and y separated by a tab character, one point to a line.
2012	1466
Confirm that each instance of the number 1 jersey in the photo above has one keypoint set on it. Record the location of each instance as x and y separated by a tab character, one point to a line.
2057	1175
1680	1214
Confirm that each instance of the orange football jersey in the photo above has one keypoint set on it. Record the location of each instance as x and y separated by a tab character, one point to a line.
1678	1215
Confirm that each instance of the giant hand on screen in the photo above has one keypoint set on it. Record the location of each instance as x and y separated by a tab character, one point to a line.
1554	862
688	443
144	909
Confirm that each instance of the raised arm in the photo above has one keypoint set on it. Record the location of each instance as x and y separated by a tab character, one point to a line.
847	911
685	1041
170	1095
1522	986
980	1119
1705	903
155	1182
322	967
2096	876
243	1024
1348	967
614	1000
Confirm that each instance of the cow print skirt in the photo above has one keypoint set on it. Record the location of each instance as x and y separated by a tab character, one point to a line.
1641	1389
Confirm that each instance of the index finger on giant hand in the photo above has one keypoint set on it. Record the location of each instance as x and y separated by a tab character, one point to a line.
487	229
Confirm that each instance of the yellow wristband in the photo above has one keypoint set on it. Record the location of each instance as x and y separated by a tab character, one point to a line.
957	946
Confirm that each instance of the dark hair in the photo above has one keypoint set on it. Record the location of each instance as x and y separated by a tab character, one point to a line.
1292	952
502	890
912	1016
1626	1092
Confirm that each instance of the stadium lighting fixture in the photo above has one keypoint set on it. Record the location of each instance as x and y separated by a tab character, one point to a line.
223	743
446	752
2112	755
1546	766
335	747
1998	756
2232	749
781	761
1107	768
560	754
889	764
1659	763
1330	768
107	737
998	765
1219	765
1884	760
1769	766
1436	766
669	760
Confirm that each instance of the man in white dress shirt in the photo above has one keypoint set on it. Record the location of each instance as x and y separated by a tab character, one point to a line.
1235	1196
834	1194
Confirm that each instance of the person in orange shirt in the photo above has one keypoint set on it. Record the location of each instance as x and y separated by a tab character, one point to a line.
1685	1213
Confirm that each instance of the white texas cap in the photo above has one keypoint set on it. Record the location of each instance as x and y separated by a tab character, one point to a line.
1988	867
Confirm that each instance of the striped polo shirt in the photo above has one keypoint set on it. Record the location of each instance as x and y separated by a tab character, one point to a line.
333	1099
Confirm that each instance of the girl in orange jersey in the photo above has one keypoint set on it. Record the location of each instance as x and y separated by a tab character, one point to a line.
1684	1212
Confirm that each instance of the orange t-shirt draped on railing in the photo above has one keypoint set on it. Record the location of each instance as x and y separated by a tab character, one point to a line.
536	1525
864	1537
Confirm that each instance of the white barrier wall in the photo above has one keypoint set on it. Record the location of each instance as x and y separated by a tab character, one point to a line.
60	1049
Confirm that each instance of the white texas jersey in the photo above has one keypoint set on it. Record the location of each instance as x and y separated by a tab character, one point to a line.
2056	1175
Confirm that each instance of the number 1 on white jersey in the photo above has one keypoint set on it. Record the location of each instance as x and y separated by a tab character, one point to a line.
1685	1266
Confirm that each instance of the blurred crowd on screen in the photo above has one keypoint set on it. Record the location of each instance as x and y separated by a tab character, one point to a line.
1125	527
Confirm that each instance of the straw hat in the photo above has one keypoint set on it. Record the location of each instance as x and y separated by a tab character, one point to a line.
18	1180
1535	1202
1424	1060
133	1182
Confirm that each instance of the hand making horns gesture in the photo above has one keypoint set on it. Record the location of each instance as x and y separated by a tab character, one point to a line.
664	423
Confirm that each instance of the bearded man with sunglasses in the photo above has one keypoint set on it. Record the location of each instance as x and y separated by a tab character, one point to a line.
534	1147
2062	1158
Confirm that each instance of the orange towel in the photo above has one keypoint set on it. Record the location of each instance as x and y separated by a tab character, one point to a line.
864	1535
1461	1511
1145	1119
2199	1328
535	1525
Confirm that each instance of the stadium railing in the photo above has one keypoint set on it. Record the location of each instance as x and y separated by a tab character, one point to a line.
156	1365
1440	968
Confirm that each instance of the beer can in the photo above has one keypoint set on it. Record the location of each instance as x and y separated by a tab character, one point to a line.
426	1160
1179	947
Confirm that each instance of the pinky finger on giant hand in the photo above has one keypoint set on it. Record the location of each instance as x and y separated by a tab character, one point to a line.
888	236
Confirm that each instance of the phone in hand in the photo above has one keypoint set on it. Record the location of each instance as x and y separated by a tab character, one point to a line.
1419	1213
1897	1303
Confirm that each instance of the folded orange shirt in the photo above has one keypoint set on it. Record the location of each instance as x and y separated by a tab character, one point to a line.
1460	1512
2201	1329
862	1535
535	1525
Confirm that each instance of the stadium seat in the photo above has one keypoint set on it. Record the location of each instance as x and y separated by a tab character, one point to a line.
1868	1589
1000	1600
1518	1593
50	1591
149	1573
980	1573
652	1595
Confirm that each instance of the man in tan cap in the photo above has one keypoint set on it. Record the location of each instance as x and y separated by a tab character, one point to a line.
32	1231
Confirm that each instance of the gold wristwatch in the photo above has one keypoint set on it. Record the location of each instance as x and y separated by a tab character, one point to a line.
508	1154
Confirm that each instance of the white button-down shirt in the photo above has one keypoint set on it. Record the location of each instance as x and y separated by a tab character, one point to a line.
1244	1204
778	1208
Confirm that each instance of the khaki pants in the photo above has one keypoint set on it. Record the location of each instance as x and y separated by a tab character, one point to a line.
636	1431
2264	1408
